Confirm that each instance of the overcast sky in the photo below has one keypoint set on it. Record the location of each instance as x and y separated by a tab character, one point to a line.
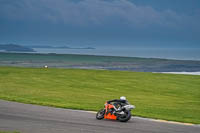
130	23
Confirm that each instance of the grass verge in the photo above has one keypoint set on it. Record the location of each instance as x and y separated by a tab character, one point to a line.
163	96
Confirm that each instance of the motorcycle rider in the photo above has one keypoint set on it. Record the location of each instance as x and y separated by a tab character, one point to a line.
118	103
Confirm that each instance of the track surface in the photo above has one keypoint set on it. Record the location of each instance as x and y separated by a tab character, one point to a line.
39	119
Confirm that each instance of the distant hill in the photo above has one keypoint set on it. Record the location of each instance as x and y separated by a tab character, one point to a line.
15	48
60	47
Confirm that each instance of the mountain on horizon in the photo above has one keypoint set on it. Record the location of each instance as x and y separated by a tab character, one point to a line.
15	48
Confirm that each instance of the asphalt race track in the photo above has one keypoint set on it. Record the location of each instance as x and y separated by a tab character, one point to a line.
27	118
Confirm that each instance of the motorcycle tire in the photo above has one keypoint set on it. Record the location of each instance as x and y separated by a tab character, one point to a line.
126	117
100	114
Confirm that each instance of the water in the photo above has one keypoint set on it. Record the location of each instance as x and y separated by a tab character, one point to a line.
182	54
186	73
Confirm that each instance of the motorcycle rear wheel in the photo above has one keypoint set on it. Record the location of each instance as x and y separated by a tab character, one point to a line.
100	114
126	117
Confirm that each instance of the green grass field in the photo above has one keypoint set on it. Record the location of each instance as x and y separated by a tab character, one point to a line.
162	96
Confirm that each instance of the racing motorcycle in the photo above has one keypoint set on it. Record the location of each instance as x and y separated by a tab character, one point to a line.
121	113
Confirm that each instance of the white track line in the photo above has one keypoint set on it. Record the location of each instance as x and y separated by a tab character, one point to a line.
155	120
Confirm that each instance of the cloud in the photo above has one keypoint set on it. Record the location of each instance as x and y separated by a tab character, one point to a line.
89	13
119	20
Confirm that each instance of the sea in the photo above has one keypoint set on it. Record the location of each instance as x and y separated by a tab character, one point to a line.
187	73
179	54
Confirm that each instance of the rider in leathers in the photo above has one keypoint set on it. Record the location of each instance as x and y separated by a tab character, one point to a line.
118	103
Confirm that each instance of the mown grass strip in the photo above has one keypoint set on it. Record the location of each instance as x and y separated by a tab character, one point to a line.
163	96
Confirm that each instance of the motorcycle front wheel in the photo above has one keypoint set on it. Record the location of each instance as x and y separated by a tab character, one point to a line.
100	114
125	117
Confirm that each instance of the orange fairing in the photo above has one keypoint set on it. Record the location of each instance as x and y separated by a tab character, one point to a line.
109	115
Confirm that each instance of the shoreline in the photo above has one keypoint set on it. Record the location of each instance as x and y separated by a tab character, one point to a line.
98	55
186	73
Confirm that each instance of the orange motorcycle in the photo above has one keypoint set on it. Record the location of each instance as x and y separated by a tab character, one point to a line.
115	112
